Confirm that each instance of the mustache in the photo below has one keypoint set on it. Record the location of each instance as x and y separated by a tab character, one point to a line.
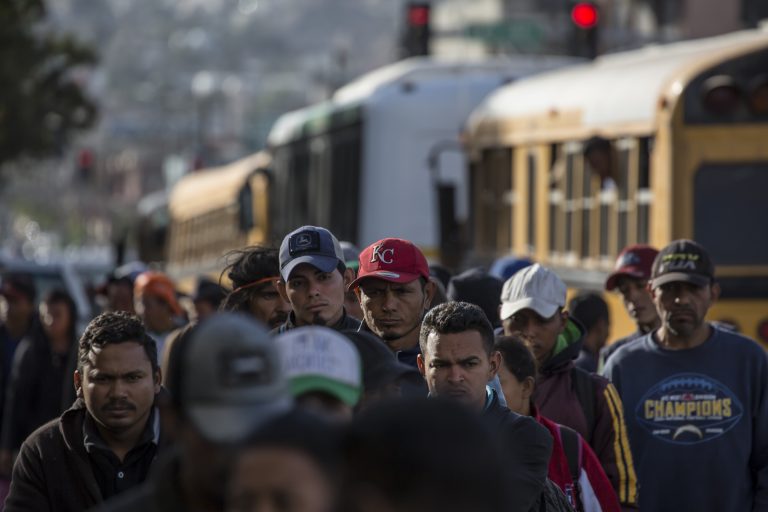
114	405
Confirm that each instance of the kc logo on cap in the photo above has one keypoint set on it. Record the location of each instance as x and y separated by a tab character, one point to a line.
392	259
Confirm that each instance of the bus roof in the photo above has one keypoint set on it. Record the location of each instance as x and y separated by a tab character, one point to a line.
616	89
345	105
211	189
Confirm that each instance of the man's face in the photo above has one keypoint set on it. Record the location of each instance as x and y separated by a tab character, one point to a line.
278	479
56	319
154	312
267	305
458	366
17	308
682	306
540	332
637	299
393	310
317	297
118	386
120	297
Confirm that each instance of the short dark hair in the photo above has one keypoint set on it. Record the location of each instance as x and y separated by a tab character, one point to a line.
246	266
115	327
516	356
588	308
456	317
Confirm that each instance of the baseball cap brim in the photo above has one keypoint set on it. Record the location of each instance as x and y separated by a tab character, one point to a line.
542	308
323	263
386	275
611	282
223	423
305	383
672	277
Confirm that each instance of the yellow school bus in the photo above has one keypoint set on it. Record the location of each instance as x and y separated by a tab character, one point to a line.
644	146
213	211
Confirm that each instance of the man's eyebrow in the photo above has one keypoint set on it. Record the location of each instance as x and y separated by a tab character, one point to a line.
469	359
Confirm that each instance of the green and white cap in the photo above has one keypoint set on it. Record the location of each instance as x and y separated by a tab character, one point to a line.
316	358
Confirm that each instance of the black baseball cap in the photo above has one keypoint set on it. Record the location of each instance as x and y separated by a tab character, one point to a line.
682	260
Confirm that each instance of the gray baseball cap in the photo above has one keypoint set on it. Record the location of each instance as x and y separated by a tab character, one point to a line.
313	245
229	377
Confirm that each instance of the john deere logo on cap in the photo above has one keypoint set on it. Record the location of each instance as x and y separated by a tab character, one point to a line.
303	240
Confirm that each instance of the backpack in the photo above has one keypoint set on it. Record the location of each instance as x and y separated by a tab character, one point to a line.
551	499
572	448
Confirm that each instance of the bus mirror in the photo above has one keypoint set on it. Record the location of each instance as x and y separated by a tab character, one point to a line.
720	95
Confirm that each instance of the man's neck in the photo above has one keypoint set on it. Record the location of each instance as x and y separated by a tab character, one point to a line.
645	328
407	342
669	340
299	322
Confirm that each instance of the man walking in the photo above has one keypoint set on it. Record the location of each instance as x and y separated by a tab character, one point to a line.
395	292
695	397
457	360
314	280
107	441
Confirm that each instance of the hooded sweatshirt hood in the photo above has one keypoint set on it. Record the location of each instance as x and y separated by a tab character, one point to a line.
566	348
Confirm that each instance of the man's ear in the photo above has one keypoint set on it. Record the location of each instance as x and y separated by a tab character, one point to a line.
429	293
349	276
528	385
78	383
280	284
158	380
420	364
564	315
494	361
714	292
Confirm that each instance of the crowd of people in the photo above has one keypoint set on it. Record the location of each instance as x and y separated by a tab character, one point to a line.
325	378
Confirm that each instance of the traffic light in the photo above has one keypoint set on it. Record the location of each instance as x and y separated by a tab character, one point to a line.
585	18
85	166
416	32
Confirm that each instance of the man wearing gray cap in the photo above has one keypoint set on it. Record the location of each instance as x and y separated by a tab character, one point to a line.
225	380
533	305
314	279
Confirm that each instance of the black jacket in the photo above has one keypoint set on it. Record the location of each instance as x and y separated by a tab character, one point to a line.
159	493
53	471
528	446
346	322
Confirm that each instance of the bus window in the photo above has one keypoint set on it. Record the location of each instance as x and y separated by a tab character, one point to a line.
494	199
587	194
531	197
623	205
569	206
730	211
643	197
556	173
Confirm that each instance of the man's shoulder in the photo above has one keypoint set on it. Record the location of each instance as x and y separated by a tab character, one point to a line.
512	421
45	435
738	343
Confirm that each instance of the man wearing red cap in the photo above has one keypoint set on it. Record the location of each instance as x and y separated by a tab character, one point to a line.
630	280
395	292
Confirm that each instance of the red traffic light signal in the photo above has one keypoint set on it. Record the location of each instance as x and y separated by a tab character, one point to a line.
418	15
584	15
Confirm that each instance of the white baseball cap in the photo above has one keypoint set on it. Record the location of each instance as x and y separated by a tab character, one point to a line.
534	287
316	358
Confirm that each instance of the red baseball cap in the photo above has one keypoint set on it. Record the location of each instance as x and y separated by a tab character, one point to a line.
392	259
634	261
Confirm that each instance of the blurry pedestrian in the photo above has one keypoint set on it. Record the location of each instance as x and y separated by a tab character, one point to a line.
157	305
574	467
224	382
630	280
18	319
695	395
457	360
591	311
207	298
480	288
395	291
107	441
533	304
507	266
384	377
40	387
291	464
314	280
254	272
324	370
423	455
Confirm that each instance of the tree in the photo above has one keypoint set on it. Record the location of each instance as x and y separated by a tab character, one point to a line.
41	103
